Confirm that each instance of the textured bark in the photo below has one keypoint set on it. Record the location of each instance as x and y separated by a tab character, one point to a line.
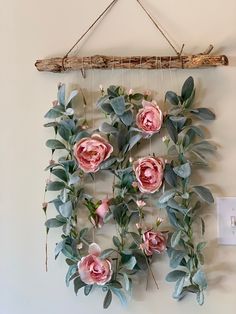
147	62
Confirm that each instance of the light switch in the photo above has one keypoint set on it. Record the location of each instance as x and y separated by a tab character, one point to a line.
226	210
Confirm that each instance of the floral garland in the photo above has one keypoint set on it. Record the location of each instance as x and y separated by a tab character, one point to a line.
133	118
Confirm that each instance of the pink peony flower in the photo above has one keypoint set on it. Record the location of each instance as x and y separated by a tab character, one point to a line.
149	173
102	210
90	152
149	119
94	270
153	242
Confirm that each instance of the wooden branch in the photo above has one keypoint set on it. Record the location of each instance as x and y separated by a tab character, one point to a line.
147	62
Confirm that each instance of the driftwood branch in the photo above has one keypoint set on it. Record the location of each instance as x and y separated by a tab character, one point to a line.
143	62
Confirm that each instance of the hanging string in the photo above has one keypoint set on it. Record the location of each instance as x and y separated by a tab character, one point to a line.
44	206
160	30
171	76
91	26
162	75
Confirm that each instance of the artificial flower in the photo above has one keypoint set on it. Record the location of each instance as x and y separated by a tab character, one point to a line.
90	152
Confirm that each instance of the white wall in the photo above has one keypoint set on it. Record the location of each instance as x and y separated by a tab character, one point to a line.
31	29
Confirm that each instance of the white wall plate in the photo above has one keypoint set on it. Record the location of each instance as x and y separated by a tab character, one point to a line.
226	212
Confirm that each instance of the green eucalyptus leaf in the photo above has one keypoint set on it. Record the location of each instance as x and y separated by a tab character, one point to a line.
81	135
176	257
172	217
113	91
116	241
204	193
106	128
178	288
55	144
166	196
188	102
127	118
107	108
71	272
102	100
170	176
69	252
61	218
201	246
136	237
186	141
88	289
137	96
172	151
53	223
115	284
108	163
200	297
61	94
107	300
108	217
187	88
127	283
130	263
203	146
180	121
175	275
183	170
171	130
73	94
60	173
141	261
118	105
78	284
203	113
83	232
55	186
74	178
106	253
173	204
172	98
51	124
134	140
66	209
175	238
197	130
120	295
54	112
64	132
59	247
199	279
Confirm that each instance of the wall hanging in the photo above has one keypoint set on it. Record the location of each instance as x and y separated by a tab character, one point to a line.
82	151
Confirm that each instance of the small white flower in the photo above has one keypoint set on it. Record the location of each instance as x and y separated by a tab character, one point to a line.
164	139
140	203
80	246
159	220
70	111
131	159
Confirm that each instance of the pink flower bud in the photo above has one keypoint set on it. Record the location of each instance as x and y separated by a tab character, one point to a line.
140	203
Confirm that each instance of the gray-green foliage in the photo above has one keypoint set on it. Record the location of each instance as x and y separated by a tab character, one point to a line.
183	200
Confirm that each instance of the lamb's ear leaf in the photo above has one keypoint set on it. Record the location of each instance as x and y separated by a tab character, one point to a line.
187	88
171	130
107	300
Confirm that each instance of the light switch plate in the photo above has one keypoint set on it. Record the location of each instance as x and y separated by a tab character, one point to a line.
226	210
